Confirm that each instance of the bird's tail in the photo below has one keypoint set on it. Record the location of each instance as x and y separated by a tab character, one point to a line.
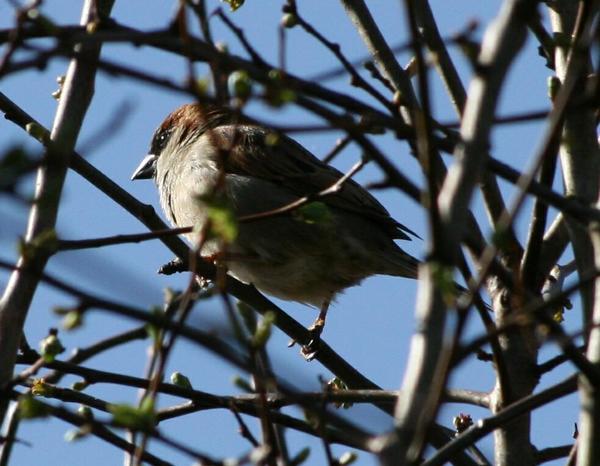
401	264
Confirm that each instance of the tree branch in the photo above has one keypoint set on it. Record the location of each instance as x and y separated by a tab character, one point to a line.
76	95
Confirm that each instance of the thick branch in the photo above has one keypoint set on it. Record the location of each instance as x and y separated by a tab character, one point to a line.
502	41
76	95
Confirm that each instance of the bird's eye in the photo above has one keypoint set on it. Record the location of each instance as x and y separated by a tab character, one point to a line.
160	141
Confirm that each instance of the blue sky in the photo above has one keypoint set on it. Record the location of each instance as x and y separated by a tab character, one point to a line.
370	325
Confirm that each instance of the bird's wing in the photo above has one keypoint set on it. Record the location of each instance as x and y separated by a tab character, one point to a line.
291	165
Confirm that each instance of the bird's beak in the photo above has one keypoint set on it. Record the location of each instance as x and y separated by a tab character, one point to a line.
145	169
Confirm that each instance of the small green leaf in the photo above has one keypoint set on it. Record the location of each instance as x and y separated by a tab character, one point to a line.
314	213
38	132
41	388
289	20
85	411
140	419
223	222
177	378
81	385
50	347
147	405
240	84
30	408
72	320
263	330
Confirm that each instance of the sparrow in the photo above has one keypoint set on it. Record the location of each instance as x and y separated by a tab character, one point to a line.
201	152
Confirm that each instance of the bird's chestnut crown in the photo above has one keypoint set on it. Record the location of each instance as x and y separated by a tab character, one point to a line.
187	123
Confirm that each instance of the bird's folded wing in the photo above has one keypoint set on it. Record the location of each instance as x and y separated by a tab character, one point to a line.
287	163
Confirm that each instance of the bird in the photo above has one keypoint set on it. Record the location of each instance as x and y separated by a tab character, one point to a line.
202	152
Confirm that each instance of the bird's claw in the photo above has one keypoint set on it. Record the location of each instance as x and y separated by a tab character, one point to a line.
310	350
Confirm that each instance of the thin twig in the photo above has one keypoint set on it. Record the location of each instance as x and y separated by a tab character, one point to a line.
356	79
67	245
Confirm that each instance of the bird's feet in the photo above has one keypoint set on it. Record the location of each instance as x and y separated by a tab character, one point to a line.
310	350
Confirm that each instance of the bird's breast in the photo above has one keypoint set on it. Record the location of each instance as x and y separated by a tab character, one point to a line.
182	194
